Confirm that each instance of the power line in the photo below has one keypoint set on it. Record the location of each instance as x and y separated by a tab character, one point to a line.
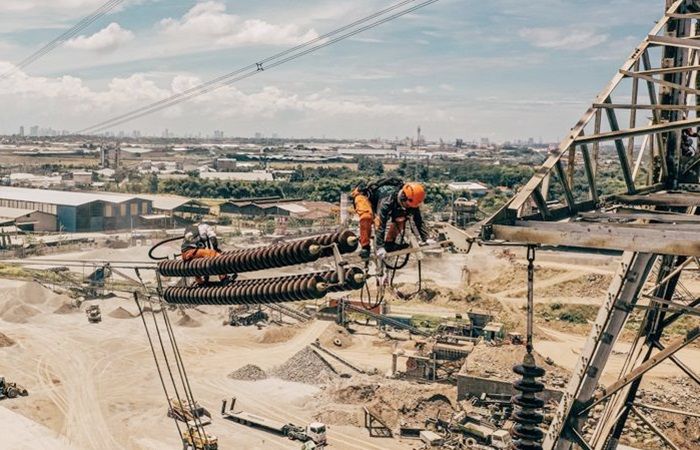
254	65
262	65
75	29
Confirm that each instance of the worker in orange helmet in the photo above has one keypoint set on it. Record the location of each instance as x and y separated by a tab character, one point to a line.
387	204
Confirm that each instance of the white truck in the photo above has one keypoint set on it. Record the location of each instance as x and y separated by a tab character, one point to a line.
315	431
481	434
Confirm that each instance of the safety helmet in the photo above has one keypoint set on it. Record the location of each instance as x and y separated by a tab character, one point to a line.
412	195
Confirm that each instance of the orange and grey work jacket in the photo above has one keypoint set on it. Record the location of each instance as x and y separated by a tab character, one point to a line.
389	208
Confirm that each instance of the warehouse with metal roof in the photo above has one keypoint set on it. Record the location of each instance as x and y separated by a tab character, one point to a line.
80	211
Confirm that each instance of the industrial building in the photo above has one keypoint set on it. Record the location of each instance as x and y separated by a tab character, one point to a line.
28	220
80	211
173	210
280	207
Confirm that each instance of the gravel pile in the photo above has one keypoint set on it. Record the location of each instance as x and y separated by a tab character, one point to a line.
249	372
304	367
6	341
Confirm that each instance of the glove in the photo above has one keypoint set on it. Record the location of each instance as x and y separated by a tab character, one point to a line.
381	253
430	242
364	253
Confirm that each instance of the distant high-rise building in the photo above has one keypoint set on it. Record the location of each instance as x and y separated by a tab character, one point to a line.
166	133
34	131
218	134
21	131
258	136
530	141
485	142
136	134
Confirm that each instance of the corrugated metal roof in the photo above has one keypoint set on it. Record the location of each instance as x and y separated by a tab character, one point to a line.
169	202
237	176
54	197
291	207
14	213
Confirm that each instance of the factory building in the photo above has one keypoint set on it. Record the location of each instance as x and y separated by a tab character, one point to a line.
279	207
80	211
28	220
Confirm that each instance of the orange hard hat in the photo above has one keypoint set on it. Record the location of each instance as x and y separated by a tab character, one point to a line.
412	194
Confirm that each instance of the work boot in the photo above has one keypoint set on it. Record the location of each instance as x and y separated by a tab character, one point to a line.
365	253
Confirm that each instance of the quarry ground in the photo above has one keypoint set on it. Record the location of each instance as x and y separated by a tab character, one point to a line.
95	386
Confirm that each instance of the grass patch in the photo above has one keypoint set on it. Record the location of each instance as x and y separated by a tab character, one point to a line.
573	314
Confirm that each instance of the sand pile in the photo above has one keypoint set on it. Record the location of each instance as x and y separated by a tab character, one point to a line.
348	415
32	293
304	367
275	335
187	321
19	313
65	308
121	313
6	341
394	401
497	362
249	372
336	336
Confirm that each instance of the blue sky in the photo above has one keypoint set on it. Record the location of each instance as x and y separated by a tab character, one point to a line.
460	68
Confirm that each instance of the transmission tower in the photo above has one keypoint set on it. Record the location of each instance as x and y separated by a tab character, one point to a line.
654	222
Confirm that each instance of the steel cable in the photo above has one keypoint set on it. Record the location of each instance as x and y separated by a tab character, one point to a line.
242	74
75	29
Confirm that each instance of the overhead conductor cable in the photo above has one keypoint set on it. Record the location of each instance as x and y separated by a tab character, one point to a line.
265	64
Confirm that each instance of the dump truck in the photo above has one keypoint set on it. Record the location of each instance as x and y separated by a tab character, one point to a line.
93	314
315	431
481	434
199	440
183	411
11	390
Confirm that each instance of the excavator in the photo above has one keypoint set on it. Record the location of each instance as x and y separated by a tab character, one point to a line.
11	389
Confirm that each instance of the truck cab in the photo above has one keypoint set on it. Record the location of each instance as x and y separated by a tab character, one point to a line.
501	439
316	431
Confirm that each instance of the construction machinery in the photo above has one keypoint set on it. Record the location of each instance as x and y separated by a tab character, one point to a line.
246	318
188	412
93	313
314	431
194	439
11	389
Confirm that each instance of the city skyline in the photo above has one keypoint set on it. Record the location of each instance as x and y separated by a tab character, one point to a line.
459	67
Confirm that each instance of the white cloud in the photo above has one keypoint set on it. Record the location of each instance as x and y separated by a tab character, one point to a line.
70	103
26	5
210	20
107	39
563	38
415	90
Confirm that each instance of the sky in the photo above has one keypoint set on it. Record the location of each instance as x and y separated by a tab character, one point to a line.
501	69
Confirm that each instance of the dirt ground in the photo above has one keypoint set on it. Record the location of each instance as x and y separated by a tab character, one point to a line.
94	386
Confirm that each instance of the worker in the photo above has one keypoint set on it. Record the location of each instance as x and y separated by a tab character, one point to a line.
385	200
200	241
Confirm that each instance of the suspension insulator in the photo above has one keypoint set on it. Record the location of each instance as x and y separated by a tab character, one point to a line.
354	279
526	433
247	260
346	240
265	290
